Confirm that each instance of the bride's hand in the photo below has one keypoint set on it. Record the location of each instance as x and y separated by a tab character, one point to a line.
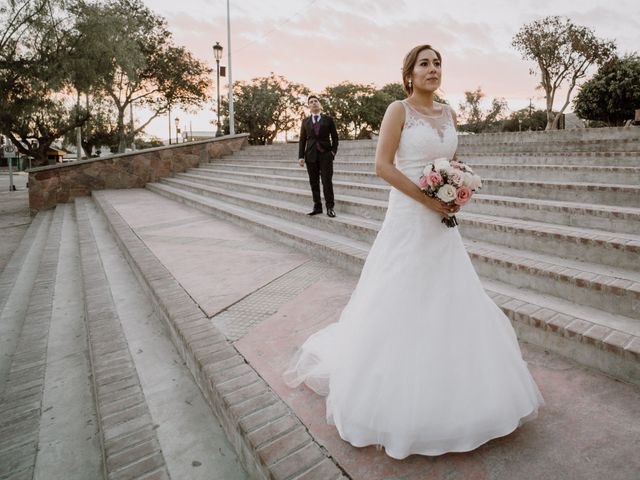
444	209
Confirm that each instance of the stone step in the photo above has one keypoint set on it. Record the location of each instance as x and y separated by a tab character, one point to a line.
618	159
21	399
16	284
367	165
575	334
301	195
300	180
568	173
601	145
343	171
583	282
346	175
251	413
141	382
126	427
615	159
348	225
69	441
361	219
579	192
581	215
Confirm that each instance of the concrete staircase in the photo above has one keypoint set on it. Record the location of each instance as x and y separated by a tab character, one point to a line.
555	233
90	385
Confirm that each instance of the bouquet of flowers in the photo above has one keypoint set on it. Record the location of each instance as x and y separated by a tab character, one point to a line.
451	182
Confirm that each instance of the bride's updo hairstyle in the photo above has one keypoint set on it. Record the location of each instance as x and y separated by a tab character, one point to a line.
410	62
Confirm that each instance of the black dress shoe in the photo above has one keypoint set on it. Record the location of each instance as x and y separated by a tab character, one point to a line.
330	212
315	212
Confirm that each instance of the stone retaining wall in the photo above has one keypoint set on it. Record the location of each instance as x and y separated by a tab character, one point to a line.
55	184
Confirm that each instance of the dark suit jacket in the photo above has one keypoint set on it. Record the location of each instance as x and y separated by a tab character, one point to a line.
327	139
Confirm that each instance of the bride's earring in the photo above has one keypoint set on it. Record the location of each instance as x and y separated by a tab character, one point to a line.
410	83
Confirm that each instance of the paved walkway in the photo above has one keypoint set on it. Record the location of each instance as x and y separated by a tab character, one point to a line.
267	298
14	214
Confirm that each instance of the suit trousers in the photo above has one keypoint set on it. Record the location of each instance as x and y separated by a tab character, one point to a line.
321	168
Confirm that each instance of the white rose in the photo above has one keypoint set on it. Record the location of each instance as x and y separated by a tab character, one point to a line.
476	182
456	178
447	193
467	179
427	170
441	164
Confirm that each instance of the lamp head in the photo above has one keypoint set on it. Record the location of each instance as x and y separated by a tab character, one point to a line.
217	51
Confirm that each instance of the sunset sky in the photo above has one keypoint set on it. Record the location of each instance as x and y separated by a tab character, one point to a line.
319	42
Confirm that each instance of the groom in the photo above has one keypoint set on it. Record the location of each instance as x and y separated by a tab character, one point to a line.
318	145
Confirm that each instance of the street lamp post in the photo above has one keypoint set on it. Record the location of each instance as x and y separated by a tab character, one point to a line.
177	120
217	53
232	123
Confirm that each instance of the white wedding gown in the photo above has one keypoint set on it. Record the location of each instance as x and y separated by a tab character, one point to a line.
421	361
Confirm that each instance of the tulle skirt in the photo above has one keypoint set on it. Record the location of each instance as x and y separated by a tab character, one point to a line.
421	360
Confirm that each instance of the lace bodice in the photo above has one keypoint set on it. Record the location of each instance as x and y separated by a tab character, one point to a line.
425	138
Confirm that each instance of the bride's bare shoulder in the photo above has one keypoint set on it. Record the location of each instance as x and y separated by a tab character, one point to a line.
395	111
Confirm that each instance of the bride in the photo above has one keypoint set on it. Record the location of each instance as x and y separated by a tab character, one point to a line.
421	361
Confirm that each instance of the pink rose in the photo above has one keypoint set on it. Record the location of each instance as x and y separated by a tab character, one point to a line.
434	179
422	183
463	195
455	179
457	165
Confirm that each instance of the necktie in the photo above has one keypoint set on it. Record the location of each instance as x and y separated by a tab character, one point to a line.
315	118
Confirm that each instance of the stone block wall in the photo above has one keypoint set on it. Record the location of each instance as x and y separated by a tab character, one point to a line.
55	184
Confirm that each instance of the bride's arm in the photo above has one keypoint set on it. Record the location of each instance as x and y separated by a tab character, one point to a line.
455	126
388	142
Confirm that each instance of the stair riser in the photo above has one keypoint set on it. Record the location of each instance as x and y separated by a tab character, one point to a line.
345	173
574	218
317	221
303	183
334	257
608	222
584	353
625	304
365	211
491	187
540	147
565	247
366	166
580	195
540	175
363	177
293	155
590	160
471	158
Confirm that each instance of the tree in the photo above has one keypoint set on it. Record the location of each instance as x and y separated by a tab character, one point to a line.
525	119
476	120
35	47
613	94
100	130
266	106
145	67
563	52
344	102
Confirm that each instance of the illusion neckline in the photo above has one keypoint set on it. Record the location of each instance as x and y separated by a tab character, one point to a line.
406	102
